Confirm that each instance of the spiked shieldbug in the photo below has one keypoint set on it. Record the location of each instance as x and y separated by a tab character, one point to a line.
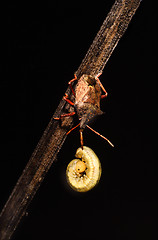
87	99
88	93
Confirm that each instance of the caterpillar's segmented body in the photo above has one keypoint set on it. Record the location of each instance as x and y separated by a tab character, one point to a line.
84	172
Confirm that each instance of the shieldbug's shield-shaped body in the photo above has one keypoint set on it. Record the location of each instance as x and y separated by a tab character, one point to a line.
88	92
87	99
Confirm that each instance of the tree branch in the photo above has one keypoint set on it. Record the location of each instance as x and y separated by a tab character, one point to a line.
41	160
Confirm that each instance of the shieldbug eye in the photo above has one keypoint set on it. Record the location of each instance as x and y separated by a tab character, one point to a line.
84	172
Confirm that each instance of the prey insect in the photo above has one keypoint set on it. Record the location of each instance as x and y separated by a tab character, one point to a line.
84	172
87	93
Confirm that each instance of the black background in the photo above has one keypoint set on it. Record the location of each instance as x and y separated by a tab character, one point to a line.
44	44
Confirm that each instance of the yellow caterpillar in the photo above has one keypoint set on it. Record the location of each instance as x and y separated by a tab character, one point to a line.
84	172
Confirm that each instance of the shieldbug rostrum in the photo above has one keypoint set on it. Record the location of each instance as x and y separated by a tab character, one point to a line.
87	93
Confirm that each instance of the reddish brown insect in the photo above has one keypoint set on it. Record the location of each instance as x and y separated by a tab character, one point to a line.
87	102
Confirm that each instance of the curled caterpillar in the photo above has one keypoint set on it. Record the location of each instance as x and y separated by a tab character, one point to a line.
84	172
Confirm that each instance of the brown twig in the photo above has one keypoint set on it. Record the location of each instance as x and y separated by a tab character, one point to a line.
42	158
55	134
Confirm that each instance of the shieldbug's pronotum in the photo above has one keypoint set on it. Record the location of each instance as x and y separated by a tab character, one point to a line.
84	172
87	102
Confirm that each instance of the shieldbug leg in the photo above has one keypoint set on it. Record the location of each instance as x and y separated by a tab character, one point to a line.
70	82
65	115
68	100
102	87
72	129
